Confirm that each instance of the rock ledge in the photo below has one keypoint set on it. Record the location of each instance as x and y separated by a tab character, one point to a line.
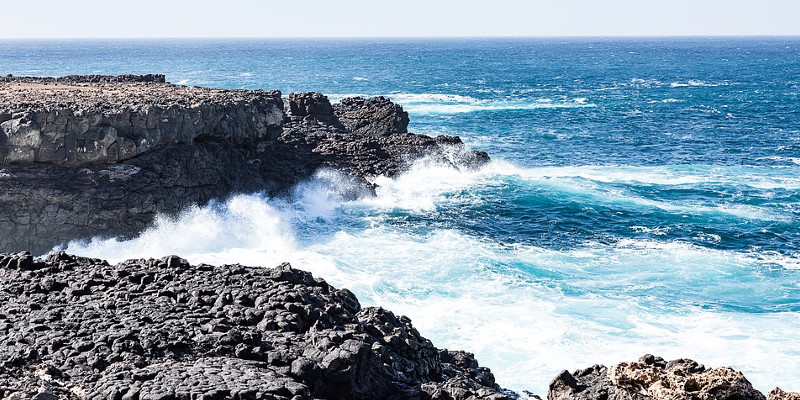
86	156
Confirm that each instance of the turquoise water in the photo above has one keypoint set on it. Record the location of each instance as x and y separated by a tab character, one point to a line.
644	194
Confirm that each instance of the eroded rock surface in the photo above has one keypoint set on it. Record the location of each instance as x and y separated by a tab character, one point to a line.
780	394
653	378
102	156
78	328
91	121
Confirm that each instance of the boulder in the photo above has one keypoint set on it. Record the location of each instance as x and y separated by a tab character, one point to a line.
653	378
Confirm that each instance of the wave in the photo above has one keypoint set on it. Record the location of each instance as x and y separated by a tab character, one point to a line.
787	160
445	104
426	186
693	83
673	175
665	101
527	311
655	83
437	103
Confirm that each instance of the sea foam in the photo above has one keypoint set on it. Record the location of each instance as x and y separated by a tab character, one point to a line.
527	311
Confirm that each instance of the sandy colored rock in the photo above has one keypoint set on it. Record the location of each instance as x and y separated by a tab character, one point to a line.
653	378
780	394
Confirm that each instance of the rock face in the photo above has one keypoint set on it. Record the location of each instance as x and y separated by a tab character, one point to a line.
102	156
82	122
654	378
73	328
377	115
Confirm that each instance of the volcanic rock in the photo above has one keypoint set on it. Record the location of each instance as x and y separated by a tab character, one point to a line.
87	156
80	328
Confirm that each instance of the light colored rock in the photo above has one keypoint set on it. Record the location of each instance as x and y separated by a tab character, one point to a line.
780	394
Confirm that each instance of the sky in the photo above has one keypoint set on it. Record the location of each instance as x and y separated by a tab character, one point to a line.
403	18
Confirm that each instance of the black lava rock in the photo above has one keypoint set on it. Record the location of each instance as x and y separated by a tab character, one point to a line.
79	328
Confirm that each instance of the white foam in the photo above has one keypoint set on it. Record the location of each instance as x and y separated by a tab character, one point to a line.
673	175
360	78
440	103
658	230
693	83
425	185
526	311
460	293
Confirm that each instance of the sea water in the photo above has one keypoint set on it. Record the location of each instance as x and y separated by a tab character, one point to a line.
644	194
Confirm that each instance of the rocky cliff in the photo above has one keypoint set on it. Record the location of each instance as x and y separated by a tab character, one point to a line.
78	328
85	121
86	156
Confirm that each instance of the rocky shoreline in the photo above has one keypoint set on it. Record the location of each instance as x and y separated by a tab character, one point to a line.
87	156
80	328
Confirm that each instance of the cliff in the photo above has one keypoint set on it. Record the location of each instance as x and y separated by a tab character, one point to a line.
86	156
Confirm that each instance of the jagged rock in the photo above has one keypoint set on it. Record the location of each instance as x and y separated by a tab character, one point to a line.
88	156
92	121
367	137
79	328
779	394
377	115
653	378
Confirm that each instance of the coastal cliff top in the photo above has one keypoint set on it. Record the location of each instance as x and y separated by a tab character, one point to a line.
112	93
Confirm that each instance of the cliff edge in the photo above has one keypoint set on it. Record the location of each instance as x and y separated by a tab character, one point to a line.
85	156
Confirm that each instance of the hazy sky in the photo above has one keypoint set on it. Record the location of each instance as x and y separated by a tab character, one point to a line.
314	18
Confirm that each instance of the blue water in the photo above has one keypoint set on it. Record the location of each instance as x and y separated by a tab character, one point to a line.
644	194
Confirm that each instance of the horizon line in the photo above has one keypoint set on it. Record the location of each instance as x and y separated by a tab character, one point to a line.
681	36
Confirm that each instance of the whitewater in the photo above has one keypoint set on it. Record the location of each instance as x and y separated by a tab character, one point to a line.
643	194
525	310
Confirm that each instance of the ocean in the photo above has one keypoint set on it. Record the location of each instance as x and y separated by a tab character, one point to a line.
644	193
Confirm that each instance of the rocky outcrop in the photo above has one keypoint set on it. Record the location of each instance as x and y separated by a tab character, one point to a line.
779	394
377	115
79	122
653	378
102	156
78	328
